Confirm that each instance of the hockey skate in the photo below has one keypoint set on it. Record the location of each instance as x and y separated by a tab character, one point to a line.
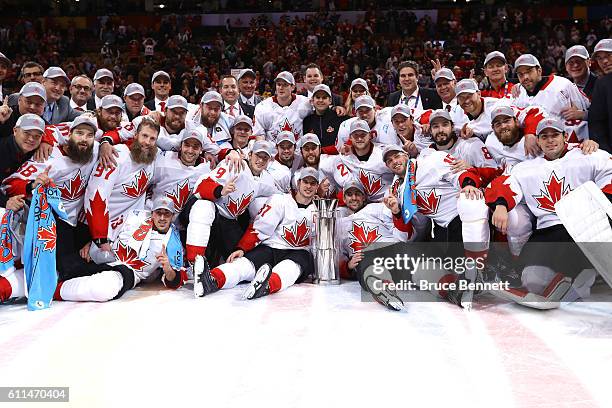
203	282
385	296
260	285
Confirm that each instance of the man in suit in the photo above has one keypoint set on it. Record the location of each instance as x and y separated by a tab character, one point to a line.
600	119
247	83
232	105
161	85
104	84
30	72
313	77
5	64
577	65
57	109
32	99
81	90
411	94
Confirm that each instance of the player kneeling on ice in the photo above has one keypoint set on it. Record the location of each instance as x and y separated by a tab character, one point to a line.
274	253
541	184
148	246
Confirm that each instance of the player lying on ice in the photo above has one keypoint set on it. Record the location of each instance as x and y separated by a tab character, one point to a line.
275	252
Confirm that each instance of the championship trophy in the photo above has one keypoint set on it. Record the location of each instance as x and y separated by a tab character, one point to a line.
326	255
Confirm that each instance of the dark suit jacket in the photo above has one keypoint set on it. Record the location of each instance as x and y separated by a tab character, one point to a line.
600	119
91	104
336	99
429	98
150	104
247	109
257	99
63	112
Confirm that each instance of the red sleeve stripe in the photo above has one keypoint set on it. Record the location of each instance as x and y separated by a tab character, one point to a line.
206	189
249	240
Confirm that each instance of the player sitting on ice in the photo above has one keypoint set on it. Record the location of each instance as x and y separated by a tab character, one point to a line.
368	224
275	252
541	183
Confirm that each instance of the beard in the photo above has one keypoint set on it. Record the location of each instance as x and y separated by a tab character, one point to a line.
312	160
207	122
509	137
141	154
77	154
106	125
443	138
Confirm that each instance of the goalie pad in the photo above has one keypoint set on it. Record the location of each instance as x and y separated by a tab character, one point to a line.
549	299
584	213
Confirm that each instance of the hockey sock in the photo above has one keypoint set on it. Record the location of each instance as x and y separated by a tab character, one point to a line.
99	287
231	274
275	283
12	284
287	271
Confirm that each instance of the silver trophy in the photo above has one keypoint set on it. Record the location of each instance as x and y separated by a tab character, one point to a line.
325	248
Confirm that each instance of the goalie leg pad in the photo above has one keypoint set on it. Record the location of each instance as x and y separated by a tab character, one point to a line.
519	228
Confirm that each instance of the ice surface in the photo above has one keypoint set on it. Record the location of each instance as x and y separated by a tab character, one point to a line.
310	346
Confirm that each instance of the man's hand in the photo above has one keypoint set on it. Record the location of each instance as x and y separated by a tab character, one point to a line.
229	187
436	67
589	146
106	247
471	192
466	132
236	164
210	158
355	259
531	145
156	116
392	203
5	111
459	165
515	91
345	150
239	253
162	258
15	203
573	113
500	218
107	154
410	147
323	189
43	152
84	252
43	178
340	110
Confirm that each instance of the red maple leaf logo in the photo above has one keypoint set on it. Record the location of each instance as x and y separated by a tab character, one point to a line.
428	203
371	184
363	236
238	206
48	236
395	188
97	205
180	195
129	257
138	186
288	127
74	189
298	235
553	191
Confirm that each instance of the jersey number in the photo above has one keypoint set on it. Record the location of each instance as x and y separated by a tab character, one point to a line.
486	153
100	170
343	171
263	210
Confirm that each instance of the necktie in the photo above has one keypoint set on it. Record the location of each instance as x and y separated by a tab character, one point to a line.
162	106
405	100
78	108
48	113
231	112
448	108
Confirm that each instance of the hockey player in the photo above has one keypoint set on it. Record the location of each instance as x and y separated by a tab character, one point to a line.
281	167
69	167
223	198
242	134
217	124
558	96
147	248
365	162
409	132
477	108
540	183
113	192
134	95
379	123
283	112
275	252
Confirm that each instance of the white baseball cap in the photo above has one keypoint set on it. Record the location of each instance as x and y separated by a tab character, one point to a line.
359	81
243	119
85	119
549	123
285	135
133	88
163	202
247	71
33	89
192	133
263	146
285	76
176	101
212	96
603	45
492	55
103	73
309	138
308	172
439	113
5	59
502	111
576	51
401	109
158	74
321	87
364	100
466	86
111	101
391	148
527	60
30	121
358	125
446	74
353	183
56	72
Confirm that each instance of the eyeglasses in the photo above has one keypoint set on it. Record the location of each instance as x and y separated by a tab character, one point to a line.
82	88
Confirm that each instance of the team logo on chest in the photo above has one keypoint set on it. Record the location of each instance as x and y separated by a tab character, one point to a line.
298	235
74	189
428	203
553	191
371	183
138	186
180	195
285	126
237	207
129	257
362	236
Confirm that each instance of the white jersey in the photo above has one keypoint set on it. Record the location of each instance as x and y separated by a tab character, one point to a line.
382	132
373	174
540	183
60	132
281	175
138	244
481	125
113	193
555	95
219	133
71	178
248	188
456	113
373	223
175	180
437	186
473	151
282	224
271	118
